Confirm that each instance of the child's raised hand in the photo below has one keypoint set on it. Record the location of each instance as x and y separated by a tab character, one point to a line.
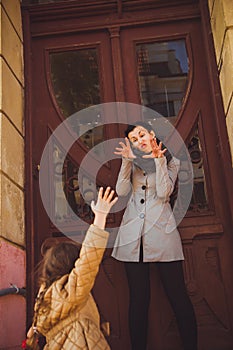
104	202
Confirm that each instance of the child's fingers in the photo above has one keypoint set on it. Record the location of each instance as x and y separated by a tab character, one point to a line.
110	196
92	205
106	193
114	200
100	194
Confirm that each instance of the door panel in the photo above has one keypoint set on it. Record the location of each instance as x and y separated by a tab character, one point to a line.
60	95
111	58
57	79
205	228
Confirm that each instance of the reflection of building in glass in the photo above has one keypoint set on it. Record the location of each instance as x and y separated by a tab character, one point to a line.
71	197
75	79
199	202
162	72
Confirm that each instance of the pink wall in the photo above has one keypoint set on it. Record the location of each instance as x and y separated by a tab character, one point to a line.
12	307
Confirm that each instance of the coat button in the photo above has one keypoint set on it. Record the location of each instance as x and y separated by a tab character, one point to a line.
143	187
142	201
142	216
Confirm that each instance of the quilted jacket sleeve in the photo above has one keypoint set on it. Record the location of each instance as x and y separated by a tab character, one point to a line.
166	175
123	185
74	288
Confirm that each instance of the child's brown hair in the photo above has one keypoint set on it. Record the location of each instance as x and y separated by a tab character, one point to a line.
58	260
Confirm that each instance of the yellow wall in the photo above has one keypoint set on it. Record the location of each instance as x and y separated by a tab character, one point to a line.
221	12
12	231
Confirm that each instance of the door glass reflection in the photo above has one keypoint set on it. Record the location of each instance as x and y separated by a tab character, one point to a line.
199	202
162	75
69	202
76	85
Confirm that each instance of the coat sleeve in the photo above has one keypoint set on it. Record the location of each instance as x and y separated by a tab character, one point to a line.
123	185
166	175
75	287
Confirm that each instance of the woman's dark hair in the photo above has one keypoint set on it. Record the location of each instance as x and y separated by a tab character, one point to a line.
58	261
145	125
149	128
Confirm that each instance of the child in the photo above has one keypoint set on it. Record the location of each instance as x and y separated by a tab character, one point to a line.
65	311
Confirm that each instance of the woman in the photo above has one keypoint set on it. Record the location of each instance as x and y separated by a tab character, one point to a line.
148	233
65	311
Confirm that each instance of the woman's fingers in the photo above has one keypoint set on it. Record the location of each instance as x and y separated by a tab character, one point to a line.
122	144
156	153
153	142
127	142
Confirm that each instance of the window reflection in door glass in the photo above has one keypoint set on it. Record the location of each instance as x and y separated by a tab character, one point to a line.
199	202
76	86
162	74
68	191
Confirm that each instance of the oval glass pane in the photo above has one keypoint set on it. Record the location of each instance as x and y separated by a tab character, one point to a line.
76	86
163	76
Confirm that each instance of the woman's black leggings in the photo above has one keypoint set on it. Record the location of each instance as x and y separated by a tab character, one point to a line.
171	274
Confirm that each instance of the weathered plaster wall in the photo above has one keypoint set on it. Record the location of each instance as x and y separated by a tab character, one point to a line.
221	13
12	232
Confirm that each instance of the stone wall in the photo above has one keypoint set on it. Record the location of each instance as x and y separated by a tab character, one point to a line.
221	18
12	231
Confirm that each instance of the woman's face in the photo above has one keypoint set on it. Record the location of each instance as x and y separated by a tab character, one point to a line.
140	138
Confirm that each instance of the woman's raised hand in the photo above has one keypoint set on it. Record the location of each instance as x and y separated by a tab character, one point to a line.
104	202
125	151
157	151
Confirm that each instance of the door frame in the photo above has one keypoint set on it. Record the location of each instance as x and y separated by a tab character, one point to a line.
41	20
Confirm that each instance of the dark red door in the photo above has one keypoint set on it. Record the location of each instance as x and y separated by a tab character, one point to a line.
152	55
69	75
157	74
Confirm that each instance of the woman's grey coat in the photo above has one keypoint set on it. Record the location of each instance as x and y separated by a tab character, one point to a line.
148	216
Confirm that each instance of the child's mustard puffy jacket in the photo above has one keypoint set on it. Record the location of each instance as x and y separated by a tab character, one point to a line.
68	316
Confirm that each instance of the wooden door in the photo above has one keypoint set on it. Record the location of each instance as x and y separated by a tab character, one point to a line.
155	64
60	67
153	55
